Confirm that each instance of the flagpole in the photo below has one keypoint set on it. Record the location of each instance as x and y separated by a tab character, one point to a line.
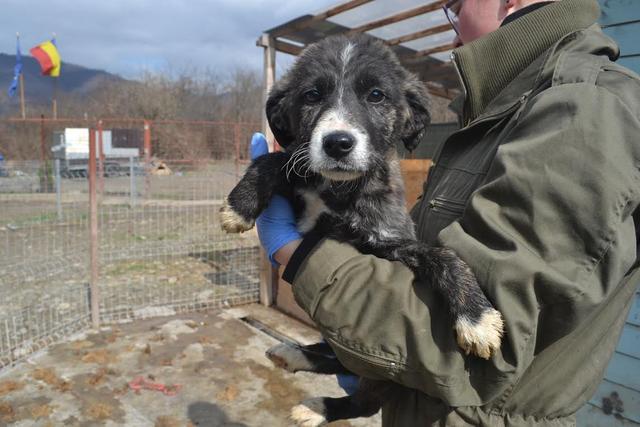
22	109
55	93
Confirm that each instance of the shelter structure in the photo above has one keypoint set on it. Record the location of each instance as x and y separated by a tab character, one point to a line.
417	31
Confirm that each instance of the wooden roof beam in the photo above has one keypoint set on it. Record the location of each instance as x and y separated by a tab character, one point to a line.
431	51
336	10
419	34
280	46
398	17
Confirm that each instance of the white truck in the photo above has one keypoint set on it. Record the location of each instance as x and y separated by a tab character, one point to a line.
119	146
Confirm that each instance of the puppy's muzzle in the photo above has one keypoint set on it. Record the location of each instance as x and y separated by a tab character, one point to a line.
338	144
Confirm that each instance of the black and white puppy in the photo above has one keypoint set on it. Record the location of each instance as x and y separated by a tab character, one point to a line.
339	114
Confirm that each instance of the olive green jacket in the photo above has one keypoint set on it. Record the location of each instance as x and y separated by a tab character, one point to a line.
538	194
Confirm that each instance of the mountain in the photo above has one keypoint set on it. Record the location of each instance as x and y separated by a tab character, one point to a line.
74	79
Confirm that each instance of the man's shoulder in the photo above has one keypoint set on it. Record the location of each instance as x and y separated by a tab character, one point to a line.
598	70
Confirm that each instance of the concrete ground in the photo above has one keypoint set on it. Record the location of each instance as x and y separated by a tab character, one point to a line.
212	366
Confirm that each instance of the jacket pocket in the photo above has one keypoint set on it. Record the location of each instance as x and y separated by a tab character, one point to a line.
447	206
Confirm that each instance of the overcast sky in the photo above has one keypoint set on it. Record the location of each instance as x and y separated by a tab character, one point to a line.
129	36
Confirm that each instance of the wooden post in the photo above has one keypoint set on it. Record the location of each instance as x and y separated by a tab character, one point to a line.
269	79
54	101
268	275
22	107
93	232
21	82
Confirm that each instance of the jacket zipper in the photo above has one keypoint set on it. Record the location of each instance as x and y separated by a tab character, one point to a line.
439	204
368	359
459	74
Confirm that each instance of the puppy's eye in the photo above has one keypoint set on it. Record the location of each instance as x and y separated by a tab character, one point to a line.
375	96
312	96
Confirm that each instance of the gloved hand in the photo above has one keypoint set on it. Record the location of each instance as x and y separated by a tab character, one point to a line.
276	224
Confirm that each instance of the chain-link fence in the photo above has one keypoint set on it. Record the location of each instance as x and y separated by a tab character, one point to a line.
157	244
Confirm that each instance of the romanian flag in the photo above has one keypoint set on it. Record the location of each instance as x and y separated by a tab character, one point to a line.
47	55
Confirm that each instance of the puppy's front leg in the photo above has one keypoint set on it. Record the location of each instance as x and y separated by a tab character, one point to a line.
479	326
254	191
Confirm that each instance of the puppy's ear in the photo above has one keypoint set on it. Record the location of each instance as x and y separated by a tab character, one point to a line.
279	114
417	116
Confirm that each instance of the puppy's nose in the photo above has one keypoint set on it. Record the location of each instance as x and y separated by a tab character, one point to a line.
338	144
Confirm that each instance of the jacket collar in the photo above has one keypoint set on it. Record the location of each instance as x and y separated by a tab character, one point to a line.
512	56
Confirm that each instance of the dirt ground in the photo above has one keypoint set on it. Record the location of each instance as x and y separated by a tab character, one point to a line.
210	366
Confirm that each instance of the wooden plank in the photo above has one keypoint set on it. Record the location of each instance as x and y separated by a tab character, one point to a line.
421	10
630	342
634	314
419	34
414	174
627	37
630	399
301	24
616	11
431	51
624	370
591	416
286	303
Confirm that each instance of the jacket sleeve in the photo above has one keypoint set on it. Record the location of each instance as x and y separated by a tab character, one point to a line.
549	235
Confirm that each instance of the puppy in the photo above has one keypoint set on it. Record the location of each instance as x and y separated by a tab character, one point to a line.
339	114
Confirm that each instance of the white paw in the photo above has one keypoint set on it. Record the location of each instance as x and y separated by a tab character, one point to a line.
232	222
483	338
309	413
287	357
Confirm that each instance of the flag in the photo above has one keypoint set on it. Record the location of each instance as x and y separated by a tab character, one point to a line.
17	70
47	55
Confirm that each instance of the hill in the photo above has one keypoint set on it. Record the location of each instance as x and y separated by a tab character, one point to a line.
74	79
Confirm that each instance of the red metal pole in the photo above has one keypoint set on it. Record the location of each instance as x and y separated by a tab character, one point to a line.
147	157
236	140
101	162
93	226
43	158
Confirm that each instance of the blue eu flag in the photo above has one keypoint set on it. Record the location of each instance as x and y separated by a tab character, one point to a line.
17	70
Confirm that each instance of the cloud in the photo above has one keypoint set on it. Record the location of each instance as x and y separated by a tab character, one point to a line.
129	36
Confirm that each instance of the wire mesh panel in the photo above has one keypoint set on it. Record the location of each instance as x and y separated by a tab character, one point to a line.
159	187
43	257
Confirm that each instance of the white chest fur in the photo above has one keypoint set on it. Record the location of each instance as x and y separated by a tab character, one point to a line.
314	206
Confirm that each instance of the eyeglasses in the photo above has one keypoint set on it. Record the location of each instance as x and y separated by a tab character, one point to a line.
451	10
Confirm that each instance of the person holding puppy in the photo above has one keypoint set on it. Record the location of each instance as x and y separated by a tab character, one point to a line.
538	193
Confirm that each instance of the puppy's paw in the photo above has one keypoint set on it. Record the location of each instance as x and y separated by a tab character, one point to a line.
288	358
310	413
482	337
233	222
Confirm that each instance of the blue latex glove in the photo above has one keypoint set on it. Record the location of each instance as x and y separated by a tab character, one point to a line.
349	383
276	224
277	227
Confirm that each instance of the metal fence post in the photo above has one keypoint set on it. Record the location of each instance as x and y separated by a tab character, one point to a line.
93	226
102	160
236	141
58	190
132	183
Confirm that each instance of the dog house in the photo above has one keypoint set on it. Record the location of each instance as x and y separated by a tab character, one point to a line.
420	35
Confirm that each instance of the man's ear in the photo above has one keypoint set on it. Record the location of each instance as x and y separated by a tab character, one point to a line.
278	114
417	116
